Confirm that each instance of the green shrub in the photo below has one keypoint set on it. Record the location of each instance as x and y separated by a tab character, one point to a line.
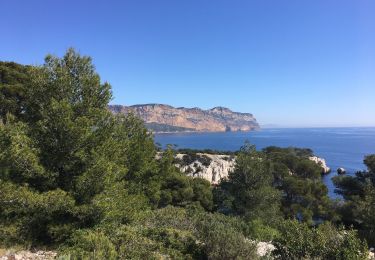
90	244
131	244
260	231
223	239
299	241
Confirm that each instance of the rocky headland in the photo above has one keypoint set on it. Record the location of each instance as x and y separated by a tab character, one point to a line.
165	118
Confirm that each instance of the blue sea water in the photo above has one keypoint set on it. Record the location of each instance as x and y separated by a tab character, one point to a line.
340	147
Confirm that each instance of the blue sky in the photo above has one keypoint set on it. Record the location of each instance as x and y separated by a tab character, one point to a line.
290	63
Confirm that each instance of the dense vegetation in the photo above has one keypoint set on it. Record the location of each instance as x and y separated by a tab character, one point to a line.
93	185
359	194
304	194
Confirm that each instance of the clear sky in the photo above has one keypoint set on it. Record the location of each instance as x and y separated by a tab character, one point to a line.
290	63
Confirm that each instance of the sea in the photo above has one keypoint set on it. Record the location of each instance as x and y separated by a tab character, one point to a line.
339	146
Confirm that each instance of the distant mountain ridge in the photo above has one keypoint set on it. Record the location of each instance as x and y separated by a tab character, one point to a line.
165	118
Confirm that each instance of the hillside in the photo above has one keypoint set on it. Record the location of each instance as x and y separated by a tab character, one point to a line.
165	118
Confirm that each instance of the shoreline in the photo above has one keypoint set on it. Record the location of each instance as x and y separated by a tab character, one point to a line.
204	132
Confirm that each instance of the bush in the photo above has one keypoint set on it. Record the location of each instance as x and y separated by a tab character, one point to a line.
260	231
131	244
222	240
90	244
299	241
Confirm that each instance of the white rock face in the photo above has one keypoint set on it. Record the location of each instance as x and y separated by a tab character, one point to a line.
371	254
218	169
222	164
322	163
265	248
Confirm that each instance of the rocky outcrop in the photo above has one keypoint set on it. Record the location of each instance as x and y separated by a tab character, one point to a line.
371	254
322	163
214	167
164	118
265	249
218	167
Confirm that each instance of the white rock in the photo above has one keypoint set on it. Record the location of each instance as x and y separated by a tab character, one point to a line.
371	254
218	169
221	165
265	248
321	162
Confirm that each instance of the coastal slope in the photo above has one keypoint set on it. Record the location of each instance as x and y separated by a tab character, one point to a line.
165	118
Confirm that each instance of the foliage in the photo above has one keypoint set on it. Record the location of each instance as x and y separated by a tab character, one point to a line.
178	189
216	236
170	232
298	152
259	230
298	241
49	152
359	194
370	163
305	199
304	195
248	192
223	241
65	156
66	142
202	193
13	85
139	157
91	244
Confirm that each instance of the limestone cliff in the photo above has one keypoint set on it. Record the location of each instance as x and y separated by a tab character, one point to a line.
164	118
